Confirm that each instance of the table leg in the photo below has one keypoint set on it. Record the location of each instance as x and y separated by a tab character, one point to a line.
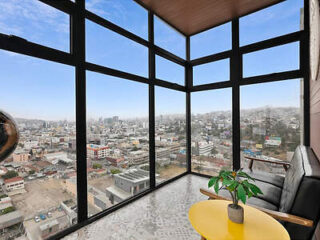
203	238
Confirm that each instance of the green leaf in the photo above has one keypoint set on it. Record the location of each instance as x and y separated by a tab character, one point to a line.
225	174
246	188
226	182
241	193
233	185
250	194
256	190
216	187
212	181
245	175
221	173
246	184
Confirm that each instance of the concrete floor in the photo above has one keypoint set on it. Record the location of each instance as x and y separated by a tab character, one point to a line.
161	215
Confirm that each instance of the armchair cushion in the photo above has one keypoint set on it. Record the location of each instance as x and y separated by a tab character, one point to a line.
294	176
253	200
273	179
271	193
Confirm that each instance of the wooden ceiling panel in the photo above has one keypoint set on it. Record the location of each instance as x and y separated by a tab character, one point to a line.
193	16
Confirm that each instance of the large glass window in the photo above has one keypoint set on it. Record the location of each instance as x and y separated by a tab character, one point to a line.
117	140
170	133
212	41
270	124
280	19
211	131
107	48
169	71
211	72
272	60
124	13
37	177
168	38
36	22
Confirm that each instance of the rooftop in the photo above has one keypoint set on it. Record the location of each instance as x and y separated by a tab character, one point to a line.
134	175
15	179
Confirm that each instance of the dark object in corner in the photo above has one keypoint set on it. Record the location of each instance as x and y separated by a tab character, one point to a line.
9	135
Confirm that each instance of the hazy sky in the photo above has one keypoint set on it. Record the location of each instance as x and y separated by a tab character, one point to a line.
34	88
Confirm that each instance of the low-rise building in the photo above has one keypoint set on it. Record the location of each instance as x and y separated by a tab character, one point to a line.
13	184
96	152
203	148
49	228
127	184
13	221
115	161
138	157
20	156
97	198
70	208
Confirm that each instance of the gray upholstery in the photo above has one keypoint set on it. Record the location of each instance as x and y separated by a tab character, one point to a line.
271	193
292	181
298	195
262	203
273	179
254	201
306	202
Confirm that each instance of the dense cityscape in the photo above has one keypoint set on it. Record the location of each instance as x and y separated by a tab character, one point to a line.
38	180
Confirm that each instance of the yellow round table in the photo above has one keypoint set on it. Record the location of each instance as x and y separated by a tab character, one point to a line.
210	219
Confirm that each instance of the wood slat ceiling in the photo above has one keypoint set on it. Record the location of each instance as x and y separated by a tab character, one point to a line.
193	16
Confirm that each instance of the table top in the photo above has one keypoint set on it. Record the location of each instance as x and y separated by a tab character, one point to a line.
210	219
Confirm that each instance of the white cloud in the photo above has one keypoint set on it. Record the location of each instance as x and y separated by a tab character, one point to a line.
112	10
31	15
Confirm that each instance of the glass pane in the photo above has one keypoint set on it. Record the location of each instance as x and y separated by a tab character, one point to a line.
272	60
40	176
271	123
168	38
170	133
124	13
169	71
35	22
211	131
107	48
211	72
117	140
280	19
214	40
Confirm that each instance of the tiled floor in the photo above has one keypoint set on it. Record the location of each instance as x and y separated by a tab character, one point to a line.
161	215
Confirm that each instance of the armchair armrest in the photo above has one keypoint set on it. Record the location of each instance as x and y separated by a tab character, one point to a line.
285	164
275	214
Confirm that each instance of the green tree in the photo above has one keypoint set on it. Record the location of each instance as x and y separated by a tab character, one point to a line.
115	171
10	174
96	166
7	210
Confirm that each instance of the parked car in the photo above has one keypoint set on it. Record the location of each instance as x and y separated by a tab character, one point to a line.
49	214
43	217
36	219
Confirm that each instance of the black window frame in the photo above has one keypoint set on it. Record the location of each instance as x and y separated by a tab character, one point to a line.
77	12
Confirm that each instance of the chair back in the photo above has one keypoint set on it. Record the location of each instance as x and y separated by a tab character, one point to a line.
301	192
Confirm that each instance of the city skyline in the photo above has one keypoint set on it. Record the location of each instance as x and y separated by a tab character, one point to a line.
145	118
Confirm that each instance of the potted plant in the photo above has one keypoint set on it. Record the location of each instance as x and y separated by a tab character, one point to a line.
238	185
